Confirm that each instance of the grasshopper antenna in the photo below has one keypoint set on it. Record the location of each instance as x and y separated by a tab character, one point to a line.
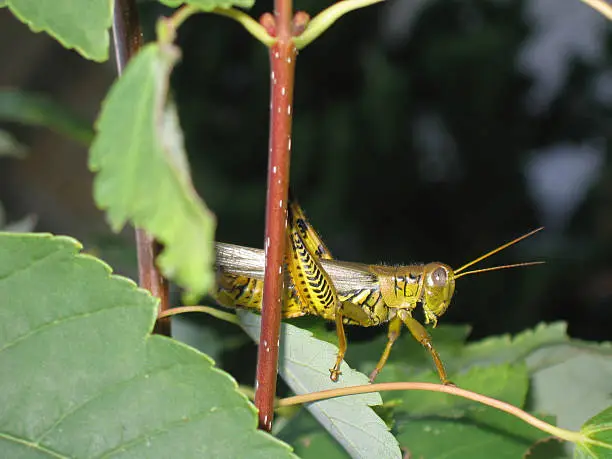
493	252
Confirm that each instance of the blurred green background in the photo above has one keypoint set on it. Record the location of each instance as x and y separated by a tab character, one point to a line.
423	131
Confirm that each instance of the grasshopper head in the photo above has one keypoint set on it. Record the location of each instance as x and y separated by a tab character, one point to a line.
438	289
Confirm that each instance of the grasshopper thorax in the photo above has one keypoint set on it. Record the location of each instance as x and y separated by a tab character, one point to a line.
438	286
403	287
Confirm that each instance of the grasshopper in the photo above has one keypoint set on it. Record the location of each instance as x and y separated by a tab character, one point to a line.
343	292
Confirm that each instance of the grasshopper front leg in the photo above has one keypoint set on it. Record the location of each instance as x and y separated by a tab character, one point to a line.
420	334
395	329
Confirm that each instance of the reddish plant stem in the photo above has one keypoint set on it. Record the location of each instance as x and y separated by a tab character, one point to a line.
150	277
282	63
127	35
127	38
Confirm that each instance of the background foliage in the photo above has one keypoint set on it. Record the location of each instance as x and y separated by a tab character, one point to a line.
417	136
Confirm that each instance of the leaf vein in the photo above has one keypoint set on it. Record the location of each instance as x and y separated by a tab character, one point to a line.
61	321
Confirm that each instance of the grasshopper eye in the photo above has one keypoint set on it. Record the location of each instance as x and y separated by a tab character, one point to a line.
439	277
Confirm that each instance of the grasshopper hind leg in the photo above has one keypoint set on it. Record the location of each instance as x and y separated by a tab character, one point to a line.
334	373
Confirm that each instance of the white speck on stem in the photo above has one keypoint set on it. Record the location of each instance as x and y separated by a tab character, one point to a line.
276	54
280	203
289	109
274	169
289	60
278	109
283	91
280	269
272	77
289	144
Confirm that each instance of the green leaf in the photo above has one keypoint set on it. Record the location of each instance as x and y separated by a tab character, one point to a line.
209	5
571	381
456	355
550	448
80	25
509	349
304	364
207	335
143	173
468	438
87	379
309	439
599	430
476	431
317	445
35	109
505	382
448	340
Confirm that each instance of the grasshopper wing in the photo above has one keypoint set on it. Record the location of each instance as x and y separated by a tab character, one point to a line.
348	277
239	260
245	261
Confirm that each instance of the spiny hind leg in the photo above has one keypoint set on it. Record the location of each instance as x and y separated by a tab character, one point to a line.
420	334
352	314
334	373
395	329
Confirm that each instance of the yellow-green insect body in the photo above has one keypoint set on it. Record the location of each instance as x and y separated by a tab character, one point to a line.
347	293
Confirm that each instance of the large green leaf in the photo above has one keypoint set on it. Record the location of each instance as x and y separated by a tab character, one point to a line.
304	364
309	439
209	5
80	25
442	426
550	448
457	356
510	349
571	381
449	340
599	430
508	382
83	377
143	175
36	109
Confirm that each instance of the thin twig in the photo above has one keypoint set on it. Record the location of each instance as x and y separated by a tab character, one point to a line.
564	434
127	38
226	316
